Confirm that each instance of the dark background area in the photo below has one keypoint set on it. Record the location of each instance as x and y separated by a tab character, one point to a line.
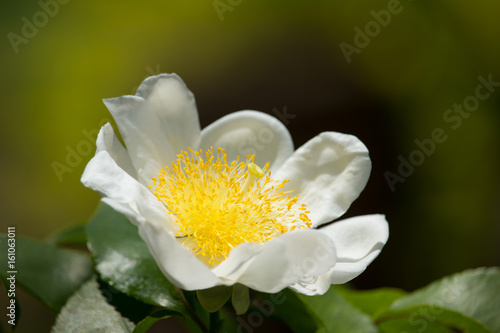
265	55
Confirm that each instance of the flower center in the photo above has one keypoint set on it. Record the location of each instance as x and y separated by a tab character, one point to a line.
218	206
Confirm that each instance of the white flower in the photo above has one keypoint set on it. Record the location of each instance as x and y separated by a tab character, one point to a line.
210	222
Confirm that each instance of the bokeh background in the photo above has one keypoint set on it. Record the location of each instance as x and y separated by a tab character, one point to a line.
268	55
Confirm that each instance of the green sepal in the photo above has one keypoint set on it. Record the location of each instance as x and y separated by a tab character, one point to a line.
214	298
240	298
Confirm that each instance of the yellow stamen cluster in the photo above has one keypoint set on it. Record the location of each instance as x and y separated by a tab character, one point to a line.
218	206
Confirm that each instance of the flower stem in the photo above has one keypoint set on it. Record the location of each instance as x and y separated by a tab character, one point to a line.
193	314
214	322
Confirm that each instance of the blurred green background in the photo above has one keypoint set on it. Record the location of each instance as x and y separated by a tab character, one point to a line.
395	88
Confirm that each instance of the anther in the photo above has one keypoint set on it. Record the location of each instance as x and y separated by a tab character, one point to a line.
255	170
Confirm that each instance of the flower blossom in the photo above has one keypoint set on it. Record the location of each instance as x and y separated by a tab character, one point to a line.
234	203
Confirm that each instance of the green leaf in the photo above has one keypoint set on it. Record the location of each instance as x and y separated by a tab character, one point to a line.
147	322
213	299
72	235
415	325
370	301
128	306
88	311
123	260
240	298
285	306
336	314
428	318
48	273
473	293
326	313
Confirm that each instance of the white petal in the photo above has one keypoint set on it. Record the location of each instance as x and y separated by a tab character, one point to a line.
141	207
107	141
257	267
314	286
156	124
341	273
346	271
140	129
358	241
178	264
328	172
121	191
250	132
175	106
280	262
